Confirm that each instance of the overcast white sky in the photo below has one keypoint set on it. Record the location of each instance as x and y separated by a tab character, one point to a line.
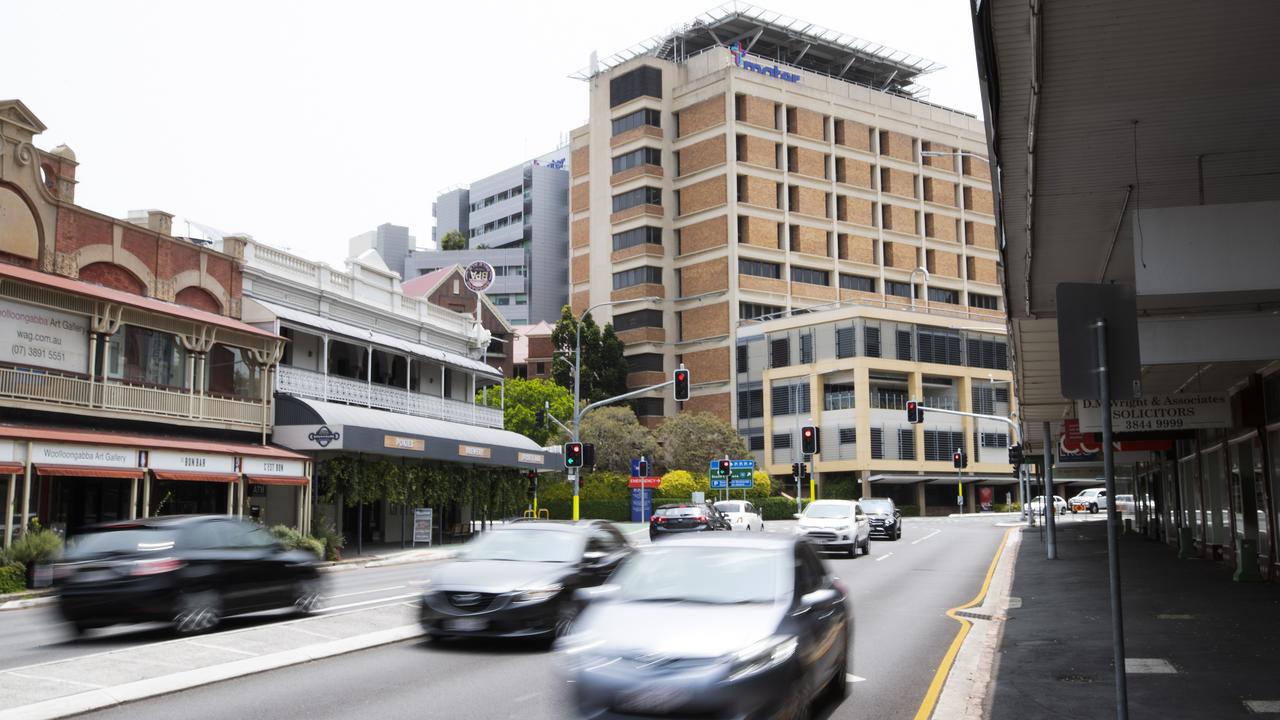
305	123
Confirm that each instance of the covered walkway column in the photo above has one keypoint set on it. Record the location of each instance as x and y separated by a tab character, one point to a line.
133	499
920	498
8	509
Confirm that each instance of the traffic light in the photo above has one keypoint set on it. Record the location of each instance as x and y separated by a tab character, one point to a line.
532	477
809	440
724	468
959	460
681	381
539	418
643	466
806	473
796	469
915	413
588	455
1015	455
573	455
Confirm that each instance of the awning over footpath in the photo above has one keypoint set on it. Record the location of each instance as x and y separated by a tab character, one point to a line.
905	479
69	452
389	342
317	426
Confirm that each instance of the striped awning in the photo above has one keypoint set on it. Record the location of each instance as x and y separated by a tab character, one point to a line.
89	472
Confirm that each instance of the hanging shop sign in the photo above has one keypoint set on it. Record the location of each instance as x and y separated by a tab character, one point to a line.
395	442
1155	413
474	451
272	467
479	276
40	337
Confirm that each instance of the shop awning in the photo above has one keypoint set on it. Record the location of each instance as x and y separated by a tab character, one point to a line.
89	472
316	426
906	479
12	468
191	476
143	442
277	480
390	342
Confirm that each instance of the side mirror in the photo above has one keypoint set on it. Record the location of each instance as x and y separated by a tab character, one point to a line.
821	596
588	595
795	515
594	558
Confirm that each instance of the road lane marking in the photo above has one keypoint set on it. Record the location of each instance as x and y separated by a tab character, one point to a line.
364	592
220	647
54	679
944	668
884	556
850	677
926	537
389	600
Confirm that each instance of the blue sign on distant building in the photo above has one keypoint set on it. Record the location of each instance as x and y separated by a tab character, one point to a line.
739	52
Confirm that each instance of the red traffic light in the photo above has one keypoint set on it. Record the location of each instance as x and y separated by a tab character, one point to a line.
724	467
680	384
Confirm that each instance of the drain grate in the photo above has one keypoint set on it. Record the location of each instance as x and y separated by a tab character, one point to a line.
1075	678
973	615
1175	617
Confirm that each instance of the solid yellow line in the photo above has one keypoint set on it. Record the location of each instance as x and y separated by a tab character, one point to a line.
944	668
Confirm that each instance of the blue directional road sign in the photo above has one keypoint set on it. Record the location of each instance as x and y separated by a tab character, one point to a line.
740	475
719	483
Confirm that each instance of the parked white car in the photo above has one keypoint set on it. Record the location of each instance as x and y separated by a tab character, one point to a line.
742	515
836	525
1091	500
1059	505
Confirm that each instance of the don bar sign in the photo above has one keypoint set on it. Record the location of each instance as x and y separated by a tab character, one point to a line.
1155	413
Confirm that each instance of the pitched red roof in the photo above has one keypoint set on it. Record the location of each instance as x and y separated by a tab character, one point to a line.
57	282
423	284
147	442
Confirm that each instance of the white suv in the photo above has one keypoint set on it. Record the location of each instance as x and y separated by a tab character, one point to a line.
835	525
1093	500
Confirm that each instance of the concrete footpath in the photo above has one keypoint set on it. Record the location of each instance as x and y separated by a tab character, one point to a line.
63	687
1198	645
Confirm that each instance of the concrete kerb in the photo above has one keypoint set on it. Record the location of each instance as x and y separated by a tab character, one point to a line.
401	558
966	694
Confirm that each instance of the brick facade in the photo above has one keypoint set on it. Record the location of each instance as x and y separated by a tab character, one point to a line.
807	123
855	210
758	191
759	232
579	158
857	248
945	264
701	155
703	195
854	135
942	162
757	151
980	234
704	277
700	116
854	172
758	111
705	321
897	182
580	268
708	365
899	219
580	233
896	145
979	201
975	167
808	201
982	270
809	240
580	197
940	227
803	161
114	277
939	191
900	256
704	235
717	404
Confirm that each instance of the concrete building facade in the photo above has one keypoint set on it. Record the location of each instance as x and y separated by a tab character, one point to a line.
733	185
393	243
517	221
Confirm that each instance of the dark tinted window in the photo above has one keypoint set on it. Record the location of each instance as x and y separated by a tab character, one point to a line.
857	282
123	540
943	295
645	362
636	158
871	341
986	302
900	289
642	82
751	311
810	276
637	276
639	118
648	406
639	196
637	236
759	268
637	319
845	342
680	512
750	404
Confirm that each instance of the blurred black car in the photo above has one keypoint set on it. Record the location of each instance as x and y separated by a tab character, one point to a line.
190	571
886	519
712	625
519	580
677	519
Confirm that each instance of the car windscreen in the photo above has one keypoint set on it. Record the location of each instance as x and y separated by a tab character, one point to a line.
713	575
525	546
679	512
823	511
729	507
877	505
121	542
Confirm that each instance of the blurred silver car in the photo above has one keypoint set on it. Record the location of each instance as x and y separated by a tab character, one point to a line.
711	626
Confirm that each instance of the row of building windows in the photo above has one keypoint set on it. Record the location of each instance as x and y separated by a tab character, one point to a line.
509	299
637	236
912	343
510	271
512	219
639	196
497	197
637	319
639	118
636	158
645	274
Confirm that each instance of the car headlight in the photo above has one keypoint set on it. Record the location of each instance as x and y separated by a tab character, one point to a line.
761	656
889	521
538	594
800	530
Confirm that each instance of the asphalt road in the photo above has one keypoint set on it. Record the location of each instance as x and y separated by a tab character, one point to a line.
900	593
37	634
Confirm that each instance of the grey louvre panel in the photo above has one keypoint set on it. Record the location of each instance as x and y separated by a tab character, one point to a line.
755	442
780	353
904	345
995	440
780	400
848	436
953	349
924	346
982	400
871	341
1002	394
802	397
877	443
845	342
906	444
750	404
742	359
806	348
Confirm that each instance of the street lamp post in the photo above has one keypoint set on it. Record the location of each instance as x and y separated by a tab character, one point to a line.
577	379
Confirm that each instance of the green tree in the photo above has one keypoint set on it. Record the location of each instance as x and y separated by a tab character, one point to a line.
677	484
524	398
618	438
453	240
690	442
604	369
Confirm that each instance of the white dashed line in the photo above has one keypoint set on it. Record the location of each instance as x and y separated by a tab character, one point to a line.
884	556
391	599
926	537
363	592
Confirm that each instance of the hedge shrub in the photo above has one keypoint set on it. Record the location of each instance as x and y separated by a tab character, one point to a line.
35	547
295	540
13	578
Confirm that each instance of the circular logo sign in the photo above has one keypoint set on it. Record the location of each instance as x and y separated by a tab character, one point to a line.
479	276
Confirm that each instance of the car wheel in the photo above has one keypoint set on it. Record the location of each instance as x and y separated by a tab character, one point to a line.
838	687
866	546
198	612
306	597
565	615
853	549
798	702
1093	509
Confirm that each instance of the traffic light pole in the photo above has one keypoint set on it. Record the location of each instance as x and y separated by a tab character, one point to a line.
1013	433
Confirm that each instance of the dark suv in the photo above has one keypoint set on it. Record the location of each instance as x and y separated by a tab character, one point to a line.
684	518
886	521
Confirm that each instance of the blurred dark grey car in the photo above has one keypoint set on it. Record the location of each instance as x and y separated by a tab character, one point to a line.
188	570
519	580
886	519
711	625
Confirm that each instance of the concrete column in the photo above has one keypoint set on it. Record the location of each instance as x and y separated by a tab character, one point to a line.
8	509
1247	538
146	495
26	492
865	479
920	498
240	498
971	498
231	498
301	493
133	499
